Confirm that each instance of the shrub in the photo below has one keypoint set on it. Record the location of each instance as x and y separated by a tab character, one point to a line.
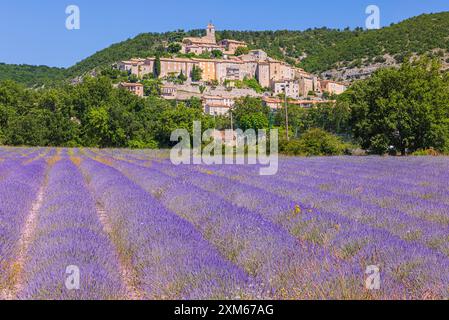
241	51
138	144
426	152
315	142
380	59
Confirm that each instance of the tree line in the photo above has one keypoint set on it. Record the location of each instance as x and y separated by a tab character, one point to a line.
397	110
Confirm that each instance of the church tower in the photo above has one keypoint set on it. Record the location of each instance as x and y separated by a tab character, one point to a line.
210	33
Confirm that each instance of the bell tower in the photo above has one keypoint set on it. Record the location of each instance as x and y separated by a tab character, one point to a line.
210	33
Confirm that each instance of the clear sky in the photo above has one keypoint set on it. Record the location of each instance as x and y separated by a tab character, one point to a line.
34	32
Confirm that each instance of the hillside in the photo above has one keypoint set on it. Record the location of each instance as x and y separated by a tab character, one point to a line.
335	53
31	75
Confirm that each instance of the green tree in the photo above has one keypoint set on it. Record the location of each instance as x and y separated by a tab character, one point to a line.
157	66
254	121
97	131
197	74
179	117
133	78
247	106
174	47
241	51
181	77
217	54
152	87
195	103
31	129
404	108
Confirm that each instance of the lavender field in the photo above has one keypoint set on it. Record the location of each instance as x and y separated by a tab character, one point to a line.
138	227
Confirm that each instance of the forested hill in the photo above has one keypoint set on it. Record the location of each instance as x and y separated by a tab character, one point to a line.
315	50
31	76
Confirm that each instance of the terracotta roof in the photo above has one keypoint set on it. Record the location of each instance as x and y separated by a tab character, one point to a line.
204	60
173	59
272	100
133	62
233	41
214	97
229	61
218	105
202	45
203	40
284	81
278	100
128	84
325	82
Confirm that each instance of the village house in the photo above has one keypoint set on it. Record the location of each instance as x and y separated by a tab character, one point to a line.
255	55
277	103
172	66
263	74
168	91
217	105
230	46
306	85
199	45
136	88
209	68
229	70
203	44
132	66
332	87
288	87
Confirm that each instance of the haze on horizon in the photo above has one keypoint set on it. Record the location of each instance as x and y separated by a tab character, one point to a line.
34	33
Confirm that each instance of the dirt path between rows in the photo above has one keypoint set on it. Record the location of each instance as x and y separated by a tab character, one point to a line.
126	271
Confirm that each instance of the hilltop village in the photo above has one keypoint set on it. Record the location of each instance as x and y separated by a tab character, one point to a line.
220	72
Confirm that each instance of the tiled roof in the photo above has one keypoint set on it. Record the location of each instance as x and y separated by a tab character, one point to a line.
203	40
128	84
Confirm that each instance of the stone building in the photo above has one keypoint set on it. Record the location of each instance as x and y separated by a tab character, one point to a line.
332	87
203	44
306	85
263	74
258	55
217	105
172	66
288	87
277	103
230	46
132	66
229	70
208	66
168	91
199	45
136	88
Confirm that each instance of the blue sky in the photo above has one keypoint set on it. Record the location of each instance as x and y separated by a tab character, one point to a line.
33	32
